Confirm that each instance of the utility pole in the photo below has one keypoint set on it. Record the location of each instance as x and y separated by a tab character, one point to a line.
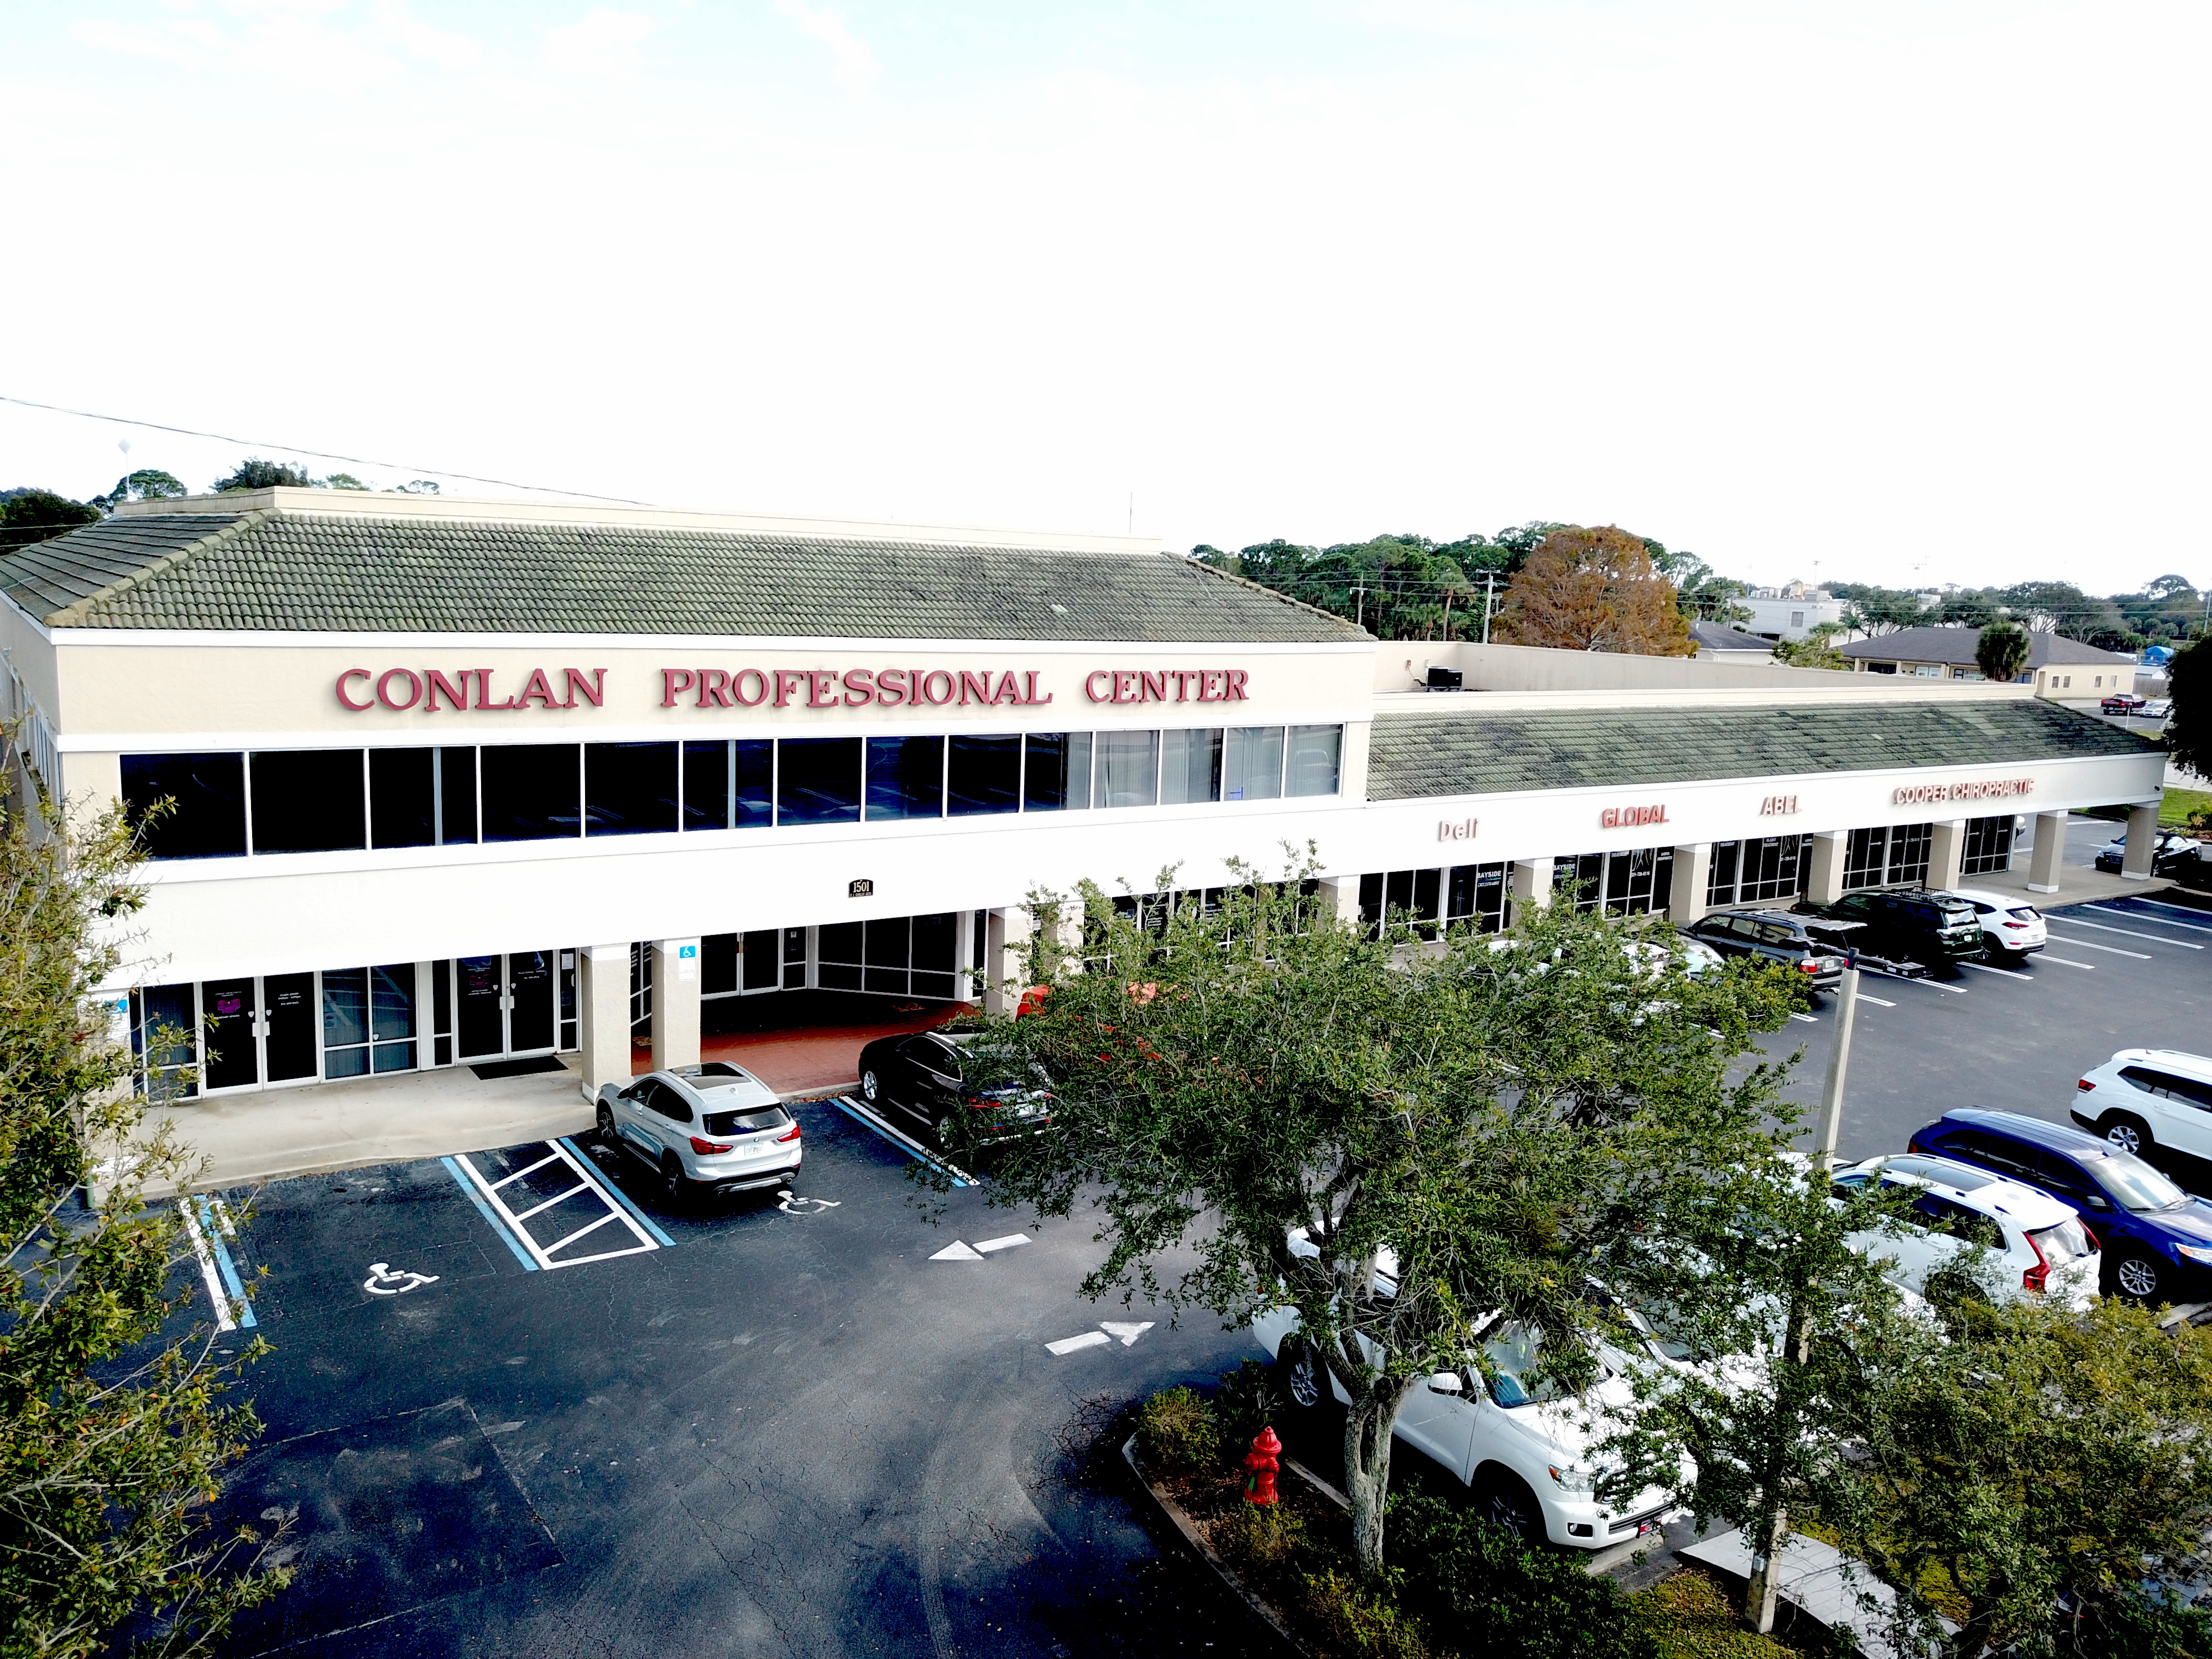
1489	591
1839	1056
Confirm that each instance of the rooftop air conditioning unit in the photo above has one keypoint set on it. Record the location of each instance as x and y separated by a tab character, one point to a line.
1446	679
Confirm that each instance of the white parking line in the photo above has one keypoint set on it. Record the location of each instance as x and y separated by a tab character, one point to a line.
1070	1344
2183	909
1933	984
1807	1018
2086	967
585	1183
987	1245
2155	921
2109	950
1984	968
1878	1002
2129	933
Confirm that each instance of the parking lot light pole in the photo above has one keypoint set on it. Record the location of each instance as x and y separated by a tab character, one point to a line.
1839	1056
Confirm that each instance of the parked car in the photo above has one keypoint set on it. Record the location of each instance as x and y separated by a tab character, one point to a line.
2173	849
710	1128
2035	1244
2122	702
2158	708
925	1078
1814	950
1520	1443
2156	1239
2010	926
1937	929
2142	1098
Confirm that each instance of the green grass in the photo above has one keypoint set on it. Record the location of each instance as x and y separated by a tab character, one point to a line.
2173	811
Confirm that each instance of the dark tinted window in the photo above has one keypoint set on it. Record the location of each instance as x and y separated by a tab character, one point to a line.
207	820
666	1102
706	785
1056	771
308	800
906	777
1995	1151
817	781
752	1120
402	797
936	948
752	770
718	964
629	788
983	775
531	792
457	796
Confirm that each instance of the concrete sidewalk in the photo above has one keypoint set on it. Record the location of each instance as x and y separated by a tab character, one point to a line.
2077	884
1818	1578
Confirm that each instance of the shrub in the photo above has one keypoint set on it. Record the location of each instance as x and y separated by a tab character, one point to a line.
1477	1585
1355	1620
1177	1434
1246	1403
1260	1535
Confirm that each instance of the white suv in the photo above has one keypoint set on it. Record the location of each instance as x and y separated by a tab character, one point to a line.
2034	1243
2142	1098
1524	1448
710	1128
2010	926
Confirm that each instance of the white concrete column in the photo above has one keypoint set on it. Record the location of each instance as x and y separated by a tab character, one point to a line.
603	1016
967	983
1694	874
1946	846
1532	884
2042	865
2142	841
1006	958
1336	901
675	1003
1824	885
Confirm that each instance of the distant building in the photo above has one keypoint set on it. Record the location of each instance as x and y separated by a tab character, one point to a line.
1717	641
1791	610
2057	666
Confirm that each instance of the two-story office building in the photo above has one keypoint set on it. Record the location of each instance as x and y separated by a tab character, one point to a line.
459	780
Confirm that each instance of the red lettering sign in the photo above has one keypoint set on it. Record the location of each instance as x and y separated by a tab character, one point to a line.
1631	817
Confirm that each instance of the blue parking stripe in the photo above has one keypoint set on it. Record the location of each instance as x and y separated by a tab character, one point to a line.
224	1264
612	1190
955	1176
484	1209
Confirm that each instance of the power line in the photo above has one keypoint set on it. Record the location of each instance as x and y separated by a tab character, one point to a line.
319	454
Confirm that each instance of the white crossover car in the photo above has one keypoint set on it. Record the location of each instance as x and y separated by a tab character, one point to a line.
2144	1098
1523	1448
2011	926
2033	1244
710	1128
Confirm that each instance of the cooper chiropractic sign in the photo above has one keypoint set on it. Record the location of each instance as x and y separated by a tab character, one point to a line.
403	690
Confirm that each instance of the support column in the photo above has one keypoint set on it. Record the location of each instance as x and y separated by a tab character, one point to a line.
1336	901
1006	958
675	1003
1694	874
2135	865
2043	863
1946	846
603	1016
1824	884
1532	884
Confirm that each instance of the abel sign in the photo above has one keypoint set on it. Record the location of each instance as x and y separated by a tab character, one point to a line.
405	691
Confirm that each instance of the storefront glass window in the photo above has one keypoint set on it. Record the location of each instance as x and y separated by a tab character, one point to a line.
1190	767
345	1022
1128	768
752	775
906	777
1252	764
630	788
983	775
1989	846
707	786
1476	896
1313	757
457	797
818	781
1055	771
207	820
309	800
164	1019
532	791
403	797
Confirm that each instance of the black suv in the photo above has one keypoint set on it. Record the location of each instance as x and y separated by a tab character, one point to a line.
1808	945
1936	929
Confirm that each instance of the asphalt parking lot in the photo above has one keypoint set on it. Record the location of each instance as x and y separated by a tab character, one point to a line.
760	1428
517	1406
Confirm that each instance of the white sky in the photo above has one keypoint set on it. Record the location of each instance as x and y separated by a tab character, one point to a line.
1894	291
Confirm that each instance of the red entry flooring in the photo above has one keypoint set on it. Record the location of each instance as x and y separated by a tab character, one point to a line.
803	1042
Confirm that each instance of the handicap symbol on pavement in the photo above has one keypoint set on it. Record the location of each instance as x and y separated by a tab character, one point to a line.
382	1281
791	1205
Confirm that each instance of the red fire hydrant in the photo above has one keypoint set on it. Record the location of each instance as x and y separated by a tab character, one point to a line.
1260	1487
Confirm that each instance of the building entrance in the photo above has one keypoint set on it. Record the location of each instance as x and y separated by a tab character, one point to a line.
257	1031
504	1004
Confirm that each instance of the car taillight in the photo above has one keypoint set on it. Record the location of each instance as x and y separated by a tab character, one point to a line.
792	1134
2085	1085
2015	924
708	1148
1809	966
2035	1278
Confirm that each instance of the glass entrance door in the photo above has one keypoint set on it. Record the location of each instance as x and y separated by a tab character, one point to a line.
230	1017
290	1040
530	1001
480	1022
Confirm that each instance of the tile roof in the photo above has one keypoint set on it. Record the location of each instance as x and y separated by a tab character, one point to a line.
1955	646
291	570
1415	754
1717	636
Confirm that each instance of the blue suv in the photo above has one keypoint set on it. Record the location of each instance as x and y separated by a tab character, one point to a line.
2156	1239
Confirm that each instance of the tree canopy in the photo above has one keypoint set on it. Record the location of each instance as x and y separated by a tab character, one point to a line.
1594	589
2002	652
36	515
2189	730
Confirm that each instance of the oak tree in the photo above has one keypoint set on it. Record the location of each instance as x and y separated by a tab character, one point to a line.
1594	589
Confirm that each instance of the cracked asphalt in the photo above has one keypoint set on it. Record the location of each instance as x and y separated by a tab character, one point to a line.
785	1434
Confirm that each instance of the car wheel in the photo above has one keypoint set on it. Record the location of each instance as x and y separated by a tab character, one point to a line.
675	1185
2129	1134
871	1091
608	1138
2137	1277
1305	1379
1502	1499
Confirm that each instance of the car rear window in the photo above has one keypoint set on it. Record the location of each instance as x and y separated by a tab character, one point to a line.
748	1122
2065	1242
